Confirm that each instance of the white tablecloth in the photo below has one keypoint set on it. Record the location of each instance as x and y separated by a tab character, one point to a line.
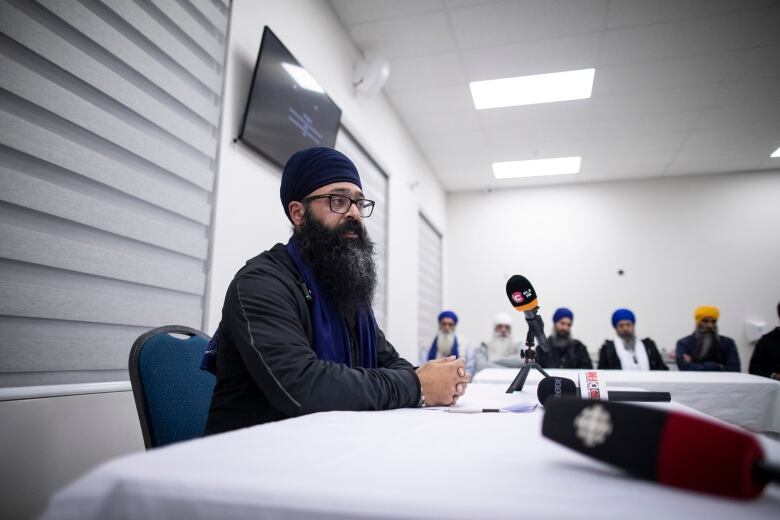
746	400
401	464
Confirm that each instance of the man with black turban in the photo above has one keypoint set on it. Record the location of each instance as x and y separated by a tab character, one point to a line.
298	334
765	360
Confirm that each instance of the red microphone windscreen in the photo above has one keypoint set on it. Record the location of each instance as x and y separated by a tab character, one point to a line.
705	456
674	449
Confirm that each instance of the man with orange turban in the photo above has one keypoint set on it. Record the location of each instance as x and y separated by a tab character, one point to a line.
705	349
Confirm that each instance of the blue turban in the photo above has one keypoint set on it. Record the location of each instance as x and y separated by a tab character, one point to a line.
622	314
314	168
449	314
563	312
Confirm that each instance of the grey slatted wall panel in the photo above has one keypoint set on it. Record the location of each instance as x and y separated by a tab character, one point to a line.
109	113
429	283
374	183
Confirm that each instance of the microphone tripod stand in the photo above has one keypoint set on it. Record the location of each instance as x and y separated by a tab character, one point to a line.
530	356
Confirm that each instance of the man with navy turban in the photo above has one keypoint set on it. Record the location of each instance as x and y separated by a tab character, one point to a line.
565	351
298	333
445	343
625	351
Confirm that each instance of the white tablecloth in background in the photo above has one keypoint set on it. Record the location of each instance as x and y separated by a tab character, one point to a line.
746	400
401	464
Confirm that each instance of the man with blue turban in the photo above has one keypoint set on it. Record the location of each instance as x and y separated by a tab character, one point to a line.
565	351
625	351
298	333
448	344
445	343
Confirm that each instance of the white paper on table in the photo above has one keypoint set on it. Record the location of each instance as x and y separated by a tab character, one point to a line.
491	398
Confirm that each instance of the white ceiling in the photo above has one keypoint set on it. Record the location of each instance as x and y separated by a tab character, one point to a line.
681	86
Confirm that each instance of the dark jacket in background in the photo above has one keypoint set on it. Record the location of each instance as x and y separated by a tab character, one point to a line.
766	357
722	357
266	367
608	358
574	356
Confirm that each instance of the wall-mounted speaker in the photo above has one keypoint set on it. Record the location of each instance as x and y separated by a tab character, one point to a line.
371	74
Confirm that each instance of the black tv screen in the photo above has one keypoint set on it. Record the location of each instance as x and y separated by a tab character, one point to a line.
287	109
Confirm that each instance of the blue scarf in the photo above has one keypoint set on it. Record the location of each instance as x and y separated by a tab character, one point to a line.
435	347
331	336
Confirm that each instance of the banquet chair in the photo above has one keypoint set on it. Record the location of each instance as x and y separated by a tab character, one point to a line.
172	394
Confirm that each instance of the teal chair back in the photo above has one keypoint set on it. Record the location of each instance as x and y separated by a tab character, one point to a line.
172	394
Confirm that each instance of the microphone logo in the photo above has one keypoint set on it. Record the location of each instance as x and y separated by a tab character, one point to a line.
593	425
517	297
594	390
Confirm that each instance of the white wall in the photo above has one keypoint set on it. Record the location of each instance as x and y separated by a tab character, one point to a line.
683	242
249	218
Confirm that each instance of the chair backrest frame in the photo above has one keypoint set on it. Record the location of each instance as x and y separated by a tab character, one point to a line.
136	380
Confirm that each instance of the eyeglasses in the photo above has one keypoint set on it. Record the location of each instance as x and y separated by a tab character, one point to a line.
342	203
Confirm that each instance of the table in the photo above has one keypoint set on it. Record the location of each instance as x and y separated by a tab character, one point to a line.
746	400
399	464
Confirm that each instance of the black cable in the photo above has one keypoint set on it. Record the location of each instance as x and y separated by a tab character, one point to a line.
765	471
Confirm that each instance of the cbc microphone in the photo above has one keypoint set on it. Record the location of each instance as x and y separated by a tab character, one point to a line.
523	298
554	388
671	448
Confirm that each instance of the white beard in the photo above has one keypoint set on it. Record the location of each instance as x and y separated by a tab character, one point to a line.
444	345
499	347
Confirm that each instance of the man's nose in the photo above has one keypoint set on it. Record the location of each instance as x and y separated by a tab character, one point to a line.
354	212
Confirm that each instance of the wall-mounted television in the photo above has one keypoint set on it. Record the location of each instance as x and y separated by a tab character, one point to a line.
287	109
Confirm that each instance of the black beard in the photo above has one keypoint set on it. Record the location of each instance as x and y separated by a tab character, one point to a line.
344	267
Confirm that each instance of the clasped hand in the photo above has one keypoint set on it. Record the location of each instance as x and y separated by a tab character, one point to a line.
443	381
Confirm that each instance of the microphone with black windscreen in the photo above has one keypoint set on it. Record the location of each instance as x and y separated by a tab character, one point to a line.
562	388
668	447
523	298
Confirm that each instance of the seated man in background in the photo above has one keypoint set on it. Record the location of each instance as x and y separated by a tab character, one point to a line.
625	351
447	343
501	344
765	360
705	349
298	333
565	351
501	350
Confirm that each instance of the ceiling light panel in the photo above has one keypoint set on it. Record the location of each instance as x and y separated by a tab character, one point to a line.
531	90
536	167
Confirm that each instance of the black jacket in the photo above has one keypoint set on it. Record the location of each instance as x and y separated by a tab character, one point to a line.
766	357
722	357
266	367
608	358
574	356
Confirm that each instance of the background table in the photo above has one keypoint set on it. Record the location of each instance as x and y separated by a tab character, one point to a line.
746	400
400	464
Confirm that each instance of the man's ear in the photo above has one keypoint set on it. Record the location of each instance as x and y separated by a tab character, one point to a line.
296	212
